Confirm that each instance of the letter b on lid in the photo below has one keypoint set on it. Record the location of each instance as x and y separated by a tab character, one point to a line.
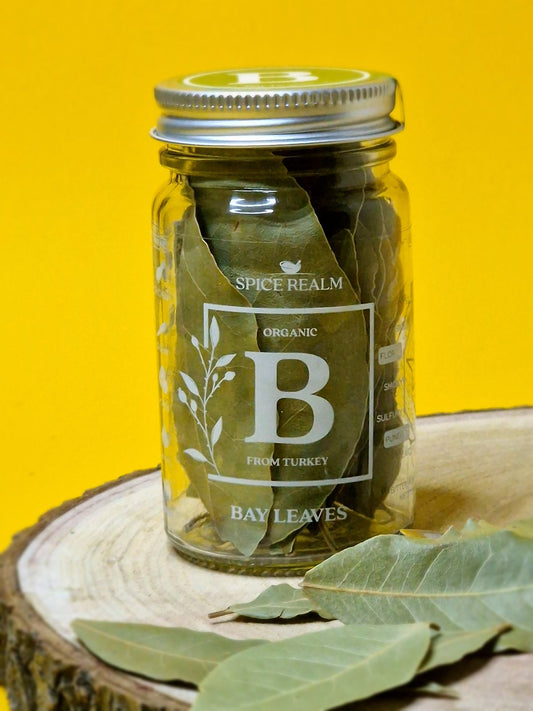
270	77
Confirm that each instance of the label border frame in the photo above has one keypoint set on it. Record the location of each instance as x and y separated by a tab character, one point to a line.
305	310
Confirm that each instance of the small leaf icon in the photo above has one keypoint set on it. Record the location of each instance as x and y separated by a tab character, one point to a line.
162	329
194	405
196	455
214	332
181	396
229	375
216	432
225	360
163	380
164	437
194	341
189	382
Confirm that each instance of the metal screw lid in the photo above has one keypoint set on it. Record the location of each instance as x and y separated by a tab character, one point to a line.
278	107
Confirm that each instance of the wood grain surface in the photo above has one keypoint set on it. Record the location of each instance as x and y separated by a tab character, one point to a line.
105	556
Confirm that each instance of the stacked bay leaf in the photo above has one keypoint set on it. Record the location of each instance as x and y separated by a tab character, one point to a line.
409	604
365	234
245	228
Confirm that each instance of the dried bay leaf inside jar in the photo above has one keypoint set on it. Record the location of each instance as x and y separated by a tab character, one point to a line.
289	369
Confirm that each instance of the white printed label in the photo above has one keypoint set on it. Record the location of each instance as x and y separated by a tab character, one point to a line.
396	436
389	354
268	394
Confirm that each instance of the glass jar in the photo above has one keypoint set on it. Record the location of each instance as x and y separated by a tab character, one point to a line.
284	316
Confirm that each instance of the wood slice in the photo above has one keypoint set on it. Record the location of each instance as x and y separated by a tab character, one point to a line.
105	556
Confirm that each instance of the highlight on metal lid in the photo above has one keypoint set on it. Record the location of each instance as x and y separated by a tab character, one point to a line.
278	107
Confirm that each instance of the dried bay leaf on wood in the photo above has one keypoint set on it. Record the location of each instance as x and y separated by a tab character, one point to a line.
274	223
276	602
201	281
475	527
318	670
427	537
160	653
472	528
522	528
468	584
449	647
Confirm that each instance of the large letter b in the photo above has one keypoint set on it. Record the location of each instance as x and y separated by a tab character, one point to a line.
267	396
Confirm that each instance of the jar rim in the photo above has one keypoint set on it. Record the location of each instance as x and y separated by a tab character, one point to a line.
276	107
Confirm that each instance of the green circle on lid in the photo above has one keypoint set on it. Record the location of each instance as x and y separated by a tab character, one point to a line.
278	78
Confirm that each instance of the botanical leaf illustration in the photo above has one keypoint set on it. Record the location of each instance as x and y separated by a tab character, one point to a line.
160	271
276	602
200	281
216	431
163	380
316	671
214	332
196	455
468	584
225	360
161	653
251	241
189	382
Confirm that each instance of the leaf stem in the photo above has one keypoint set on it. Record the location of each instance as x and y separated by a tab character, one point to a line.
205	399
206	435
220	613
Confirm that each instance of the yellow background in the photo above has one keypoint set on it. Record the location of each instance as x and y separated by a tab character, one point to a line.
78	170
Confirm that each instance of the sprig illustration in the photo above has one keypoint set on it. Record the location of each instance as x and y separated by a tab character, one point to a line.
197	396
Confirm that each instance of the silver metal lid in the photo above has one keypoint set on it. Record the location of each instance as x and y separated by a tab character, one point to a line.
278	107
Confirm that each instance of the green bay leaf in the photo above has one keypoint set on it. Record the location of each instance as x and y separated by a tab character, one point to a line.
377	237
472	528
160	653
316	671
468	584
343	245
256	230
216	422
449	647
356	206
523	528
276	602
425	536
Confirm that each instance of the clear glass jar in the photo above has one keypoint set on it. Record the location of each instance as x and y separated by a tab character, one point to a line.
284	326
